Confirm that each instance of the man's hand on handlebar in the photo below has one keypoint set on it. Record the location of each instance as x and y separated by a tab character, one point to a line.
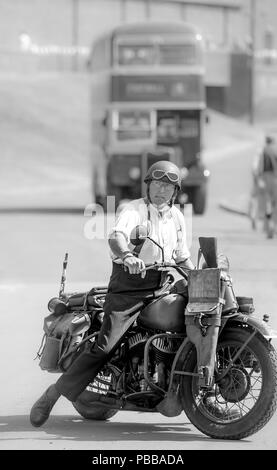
135	266
166	266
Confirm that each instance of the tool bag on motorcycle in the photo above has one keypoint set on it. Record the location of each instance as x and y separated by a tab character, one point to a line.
94	299
65	329
63	337
203	319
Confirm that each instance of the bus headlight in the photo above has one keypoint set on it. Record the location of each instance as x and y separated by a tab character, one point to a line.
134	173
207	173
183	198
184	172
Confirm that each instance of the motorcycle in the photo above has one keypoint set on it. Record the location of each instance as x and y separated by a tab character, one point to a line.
194	347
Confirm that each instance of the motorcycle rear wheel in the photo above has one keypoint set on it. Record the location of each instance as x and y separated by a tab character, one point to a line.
245	401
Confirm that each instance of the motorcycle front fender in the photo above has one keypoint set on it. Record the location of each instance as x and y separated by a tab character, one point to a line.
250	320
254	322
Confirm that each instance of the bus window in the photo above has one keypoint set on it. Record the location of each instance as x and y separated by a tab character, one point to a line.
167	131
189	128
136	54
130	125
178	54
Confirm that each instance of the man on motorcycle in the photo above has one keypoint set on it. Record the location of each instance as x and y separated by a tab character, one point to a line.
129	283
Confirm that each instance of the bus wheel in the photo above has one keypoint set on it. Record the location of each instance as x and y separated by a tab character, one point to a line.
102	201
199	200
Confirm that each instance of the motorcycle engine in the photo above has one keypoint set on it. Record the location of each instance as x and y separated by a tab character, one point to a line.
162	353
136	343
164	349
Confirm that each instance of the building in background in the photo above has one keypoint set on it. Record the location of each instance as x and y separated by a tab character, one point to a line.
78	22
61	33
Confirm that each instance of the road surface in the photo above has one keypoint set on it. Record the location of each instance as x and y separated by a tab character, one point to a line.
31	255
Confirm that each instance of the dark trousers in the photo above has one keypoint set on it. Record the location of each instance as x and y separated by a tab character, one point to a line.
124	300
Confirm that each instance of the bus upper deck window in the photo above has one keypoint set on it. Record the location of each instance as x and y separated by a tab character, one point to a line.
178	54
135	54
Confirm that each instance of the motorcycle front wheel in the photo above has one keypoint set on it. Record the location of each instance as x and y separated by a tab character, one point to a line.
102	386
241	402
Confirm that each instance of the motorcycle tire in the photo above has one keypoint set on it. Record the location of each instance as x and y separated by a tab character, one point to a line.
226	412
88	411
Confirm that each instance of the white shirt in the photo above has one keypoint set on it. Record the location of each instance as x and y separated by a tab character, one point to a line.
166	227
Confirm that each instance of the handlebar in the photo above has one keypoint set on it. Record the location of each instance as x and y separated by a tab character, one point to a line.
165	266
181	270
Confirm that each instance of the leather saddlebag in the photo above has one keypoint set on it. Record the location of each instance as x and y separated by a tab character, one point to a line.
63	335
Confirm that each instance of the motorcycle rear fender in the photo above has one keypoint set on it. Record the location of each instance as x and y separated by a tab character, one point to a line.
267	332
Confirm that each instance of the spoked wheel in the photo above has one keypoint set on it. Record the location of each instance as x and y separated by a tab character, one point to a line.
244	399
104	385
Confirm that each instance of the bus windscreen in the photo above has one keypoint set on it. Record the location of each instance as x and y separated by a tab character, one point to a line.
136	55
158	54
177	54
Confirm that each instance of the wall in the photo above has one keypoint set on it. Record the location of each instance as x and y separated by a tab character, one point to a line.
52	22
49	21
238	94
234	99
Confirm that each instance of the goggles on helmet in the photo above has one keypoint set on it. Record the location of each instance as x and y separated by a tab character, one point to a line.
159	174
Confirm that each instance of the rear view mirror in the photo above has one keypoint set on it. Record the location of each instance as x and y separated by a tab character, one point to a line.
208	247
138	235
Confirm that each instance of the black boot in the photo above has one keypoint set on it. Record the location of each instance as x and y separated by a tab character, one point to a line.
42	408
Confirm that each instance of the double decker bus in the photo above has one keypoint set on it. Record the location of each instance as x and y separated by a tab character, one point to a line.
148	102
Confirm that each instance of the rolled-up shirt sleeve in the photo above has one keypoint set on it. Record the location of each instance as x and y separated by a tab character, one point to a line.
182	251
